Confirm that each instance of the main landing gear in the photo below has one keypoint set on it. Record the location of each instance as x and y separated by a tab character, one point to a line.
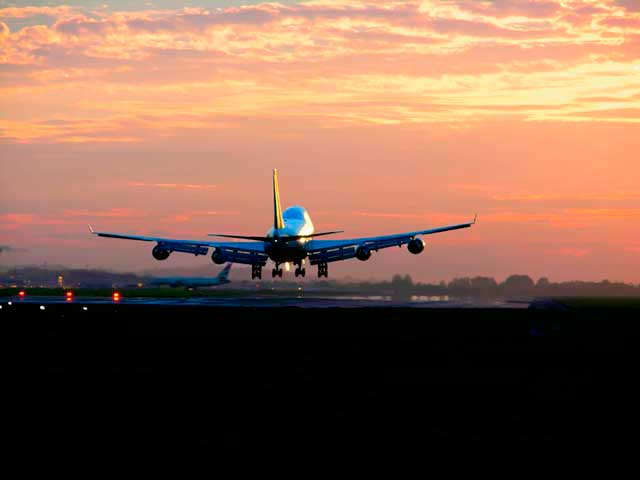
323	269
300	270
256	271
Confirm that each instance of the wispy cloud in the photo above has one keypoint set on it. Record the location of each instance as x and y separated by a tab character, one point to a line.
424	218
215	212
178	186
575	252
389	215
110	213
542	197
25	12
13	221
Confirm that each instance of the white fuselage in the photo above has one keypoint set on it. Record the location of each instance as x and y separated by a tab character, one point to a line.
296	222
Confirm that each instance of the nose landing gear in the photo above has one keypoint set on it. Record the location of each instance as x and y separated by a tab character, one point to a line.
300	271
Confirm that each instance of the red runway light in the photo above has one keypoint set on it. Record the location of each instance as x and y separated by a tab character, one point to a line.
116	296
21	293
69	296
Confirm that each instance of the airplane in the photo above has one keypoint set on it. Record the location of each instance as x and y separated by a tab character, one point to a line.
193	282
291	239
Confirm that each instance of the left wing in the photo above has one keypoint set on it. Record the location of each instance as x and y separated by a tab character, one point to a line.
335	250
236	252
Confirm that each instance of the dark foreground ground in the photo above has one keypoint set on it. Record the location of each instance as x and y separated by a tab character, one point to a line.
139	376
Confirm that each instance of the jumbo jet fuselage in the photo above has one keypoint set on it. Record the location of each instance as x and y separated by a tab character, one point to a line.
296	222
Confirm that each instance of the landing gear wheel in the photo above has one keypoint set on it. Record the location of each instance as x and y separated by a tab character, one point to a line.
280	273
256	271
303	272
274	272
299	268
323	270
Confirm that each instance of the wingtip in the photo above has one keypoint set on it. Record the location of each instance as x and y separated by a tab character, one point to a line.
475	218
91	228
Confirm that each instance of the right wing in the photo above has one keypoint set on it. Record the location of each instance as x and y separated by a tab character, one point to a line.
236	252
336	250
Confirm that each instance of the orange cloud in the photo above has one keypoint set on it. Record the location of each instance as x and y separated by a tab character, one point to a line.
338	62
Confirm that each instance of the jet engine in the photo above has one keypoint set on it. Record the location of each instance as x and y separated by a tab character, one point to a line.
217	257
363	254
416	246
160	253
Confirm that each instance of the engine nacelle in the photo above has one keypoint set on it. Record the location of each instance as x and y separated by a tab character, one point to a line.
363	254
160	253
217	257
416	246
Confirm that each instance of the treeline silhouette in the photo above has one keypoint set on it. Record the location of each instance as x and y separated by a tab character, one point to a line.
487	287
72	277
400	285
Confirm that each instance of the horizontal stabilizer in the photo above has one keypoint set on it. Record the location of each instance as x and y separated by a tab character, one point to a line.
283	238
242	237
319	234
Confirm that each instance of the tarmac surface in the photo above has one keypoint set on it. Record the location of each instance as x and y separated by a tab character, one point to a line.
203	373
264	302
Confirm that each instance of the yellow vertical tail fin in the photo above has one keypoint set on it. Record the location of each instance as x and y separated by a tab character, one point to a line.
278	222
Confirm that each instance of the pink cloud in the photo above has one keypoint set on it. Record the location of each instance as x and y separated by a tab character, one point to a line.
25	12
111	213
622	22
177	186
429	217
12	221
501	8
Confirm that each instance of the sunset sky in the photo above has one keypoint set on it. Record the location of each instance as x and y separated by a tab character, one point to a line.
163	117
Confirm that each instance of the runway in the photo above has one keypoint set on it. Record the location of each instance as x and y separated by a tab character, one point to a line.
265	302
